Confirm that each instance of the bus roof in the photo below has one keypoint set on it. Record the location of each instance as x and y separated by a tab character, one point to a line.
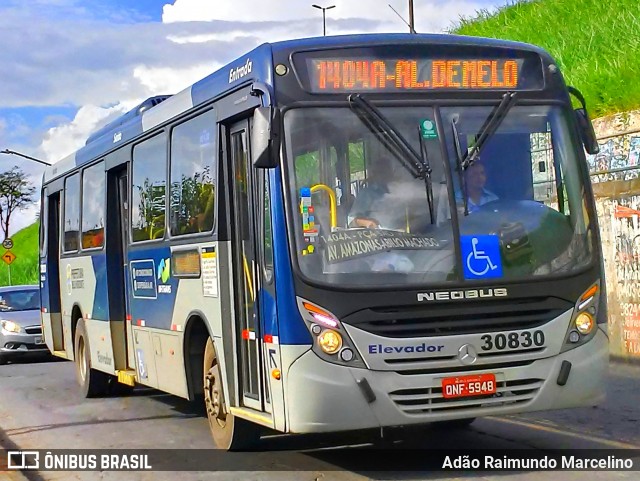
254	66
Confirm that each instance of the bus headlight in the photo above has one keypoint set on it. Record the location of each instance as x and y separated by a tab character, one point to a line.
584	323
583	326
330	341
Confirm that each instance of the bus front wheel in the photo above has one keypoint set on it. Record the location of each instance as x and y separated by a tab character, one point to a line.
94	383
228	431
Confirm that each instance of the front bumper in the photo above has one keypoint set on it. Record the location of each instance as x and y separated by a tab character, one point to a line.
15	344
325	397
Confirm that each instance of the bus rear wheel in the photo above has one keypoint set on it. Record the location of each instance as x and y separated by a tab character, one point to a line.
94	383
228	431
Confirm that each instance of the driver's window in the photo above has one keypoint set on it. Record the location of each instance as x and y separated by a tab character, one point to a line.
543	170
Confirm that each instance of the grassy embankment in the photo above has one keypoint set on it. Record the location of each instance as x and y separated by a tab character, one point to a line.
24	270
596	44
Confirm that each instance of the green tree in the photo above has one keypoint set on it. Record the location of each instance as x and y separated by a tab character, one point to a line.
16	192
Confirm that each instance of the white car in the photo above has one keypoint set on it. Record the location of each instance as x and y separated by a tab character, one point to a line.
20	325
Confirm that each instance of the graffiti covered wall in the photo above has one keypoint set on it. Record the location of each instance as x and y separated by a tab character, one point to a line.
615	174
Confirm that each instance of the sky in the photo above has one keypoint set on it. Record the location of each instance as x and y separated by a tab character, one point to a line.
71	66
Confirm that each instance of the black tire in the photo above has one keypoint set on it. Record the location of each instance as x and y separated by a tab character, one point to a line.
93	383
228	431
3	360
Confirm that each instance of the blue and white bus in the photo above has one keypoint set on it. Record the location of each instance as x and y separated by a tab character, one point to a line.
336	234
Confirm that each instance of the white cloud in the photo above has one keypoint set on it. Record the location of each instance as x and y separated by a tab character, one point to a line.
430	16
164	80
64	139
207	35
105	60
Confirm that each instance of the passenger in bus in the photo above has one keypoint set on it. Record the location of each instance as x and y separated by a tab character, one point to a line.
375	206
391	199
475	180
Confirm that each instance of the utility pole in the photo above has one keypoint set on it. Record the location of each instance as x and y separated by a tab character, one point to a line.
410	24
411	19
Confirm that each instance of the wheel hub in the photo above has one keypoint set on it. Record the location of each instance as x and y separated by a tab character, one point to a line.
213	397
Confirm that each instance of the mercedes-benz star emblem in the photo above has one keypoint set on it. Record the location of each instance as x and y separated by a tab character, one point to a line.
467	354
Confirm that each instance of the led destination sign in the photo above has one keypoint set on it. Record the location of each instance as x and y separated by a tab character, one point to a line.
407	74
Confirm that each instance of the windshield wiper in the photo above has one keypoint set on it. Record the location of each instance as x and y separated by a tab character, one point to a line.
393	140
489	127
491	124
459	160
416	163
424	159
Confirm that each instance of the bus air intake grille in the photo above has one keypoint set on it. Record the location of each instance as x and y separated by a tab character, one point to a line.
459	369
452	319
422	401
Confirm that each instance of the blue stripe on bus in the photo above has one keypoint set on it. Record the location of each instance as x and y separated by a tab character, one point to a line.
291	326
101	295
261	63
145	302
45	302
269	314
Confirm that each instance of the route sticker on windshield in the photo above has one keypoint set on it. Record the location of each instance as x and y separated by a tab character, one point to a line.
481	256
309	226
428	129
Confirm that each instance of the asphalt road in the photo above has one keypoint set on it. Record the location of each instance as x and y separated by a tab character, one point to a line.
41	408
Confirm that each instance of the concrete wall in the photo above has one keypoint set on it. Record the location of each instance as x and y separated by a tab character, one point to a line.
616	182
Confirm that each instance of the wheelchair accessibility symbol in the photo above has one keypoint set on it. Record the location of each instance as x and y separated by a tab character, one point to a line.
481	254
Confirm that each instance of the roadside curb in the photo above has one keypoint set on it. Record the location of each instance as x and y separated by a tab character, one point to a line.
630	361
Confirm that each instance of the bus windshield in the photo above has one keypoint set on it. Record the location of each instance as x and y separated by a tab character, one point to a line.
364	215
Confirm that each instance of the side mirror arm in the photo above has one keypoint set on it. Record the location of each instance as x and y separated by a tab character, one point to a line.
587	133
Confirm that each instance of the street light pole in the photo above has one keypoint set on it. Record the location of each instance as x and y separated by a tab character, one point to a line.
13	152
324	16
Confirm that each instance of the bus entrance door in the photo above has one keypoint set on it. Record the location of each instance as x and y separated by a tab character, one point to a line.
119	251
246	281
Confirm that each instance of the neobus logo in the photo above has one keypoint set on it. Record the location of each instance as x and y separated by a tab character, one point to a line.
462	295
238	73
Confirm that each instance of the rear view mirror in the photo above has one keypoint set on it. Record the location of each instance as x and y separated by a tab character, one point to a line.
264	145
587	133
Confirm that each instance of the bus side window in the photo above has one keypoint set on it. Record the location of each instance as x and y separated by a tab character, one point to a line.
71	227
93	202
192	188
149	189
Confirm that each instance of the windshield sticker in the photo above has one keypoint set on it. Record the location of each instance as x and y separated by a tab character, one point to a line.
428	129
307	210
481	256
344	245
309	228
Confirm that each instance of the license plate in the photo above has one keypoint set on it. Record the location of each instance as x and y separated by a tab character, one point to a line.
465	386
39	340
